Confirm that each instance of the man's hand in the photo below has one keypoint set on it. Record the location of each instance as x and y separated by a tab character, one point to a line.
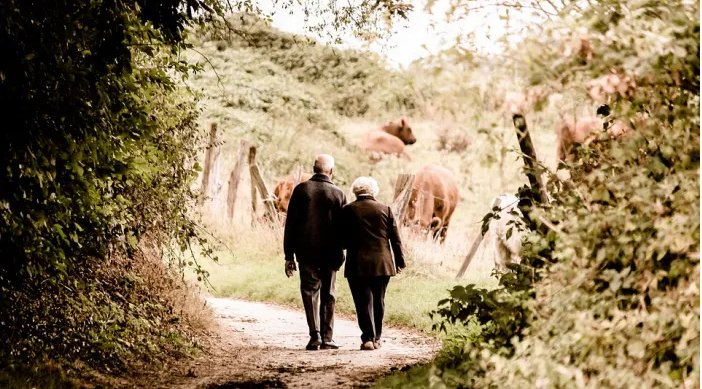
290	268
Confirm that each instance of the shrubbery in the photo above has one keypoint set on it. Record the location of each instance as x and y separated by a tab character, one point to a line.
608	293
95	139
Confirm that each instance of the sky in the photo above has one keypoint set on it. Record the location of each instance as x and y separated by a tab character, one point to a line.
422	34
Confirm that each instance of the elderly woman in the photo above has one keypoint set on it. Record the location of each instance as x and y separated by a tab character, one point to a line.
369	233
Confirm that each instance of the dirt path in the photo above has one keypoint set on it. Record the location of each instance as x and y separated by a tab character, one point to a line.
262	346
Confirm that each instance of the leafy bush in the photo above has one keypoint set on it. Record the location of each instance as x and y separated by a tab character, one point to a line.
94	153
608	294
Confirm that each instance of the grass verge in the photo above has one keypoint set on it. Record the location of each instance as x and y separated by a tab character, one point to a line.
253	270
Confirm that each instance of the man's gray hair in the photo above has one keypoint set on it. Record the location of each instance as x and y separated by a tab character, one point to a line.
324	163
365	186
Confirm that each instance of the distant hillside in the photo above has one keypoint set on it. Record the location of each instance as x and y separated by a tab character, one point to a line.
289	93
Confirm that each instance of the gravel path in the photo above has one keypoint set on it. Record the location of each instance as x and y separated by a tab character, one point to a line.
262	346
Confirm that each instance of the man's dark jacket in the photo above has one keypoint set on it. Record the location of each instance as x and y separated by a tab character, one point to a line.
369	231
312	226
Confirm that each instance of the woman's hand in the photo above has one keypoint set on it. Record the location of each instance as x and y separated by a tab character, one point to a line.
398	270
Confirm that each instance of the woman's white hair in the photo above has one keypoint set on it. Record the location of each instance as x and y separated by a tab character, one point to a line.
365	186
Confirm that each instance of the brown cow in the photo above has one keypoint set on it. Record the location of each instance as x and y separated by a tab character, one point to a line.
283	190
432	202
390	139
585	130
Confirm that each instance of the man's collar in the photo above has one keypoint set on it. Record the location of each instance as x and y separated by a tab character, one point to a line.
321	177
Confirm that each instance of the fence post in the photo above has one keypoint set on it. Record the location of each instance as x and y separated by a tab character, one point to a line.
254	194
297	176
268	206
471	254
403	191
529	155
209	161
258	184
235	178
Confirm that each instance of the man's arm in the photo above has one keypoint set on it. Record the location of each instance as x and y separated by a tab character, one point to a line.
338	220
395	241
291	224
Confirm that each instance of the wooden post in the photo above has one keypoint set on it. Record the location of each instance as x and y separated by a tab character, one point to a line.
254	195
297	176
268	205
403	191
471	254
214	184
209	159
259	185
529	155
234	179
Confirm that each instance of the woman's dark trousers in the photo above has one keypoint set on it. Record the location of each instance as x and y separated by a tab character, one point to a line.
369	297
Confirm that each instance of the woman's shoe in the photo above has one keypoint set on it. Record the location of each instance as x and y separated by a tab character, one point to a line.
367	346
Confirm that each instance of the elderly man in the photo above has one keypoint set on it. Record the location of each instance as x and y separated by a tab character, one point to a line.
370	231
312	237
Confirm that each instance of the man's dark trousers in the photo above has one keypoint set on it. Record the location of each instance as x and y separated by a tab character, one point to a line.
369	297
317	287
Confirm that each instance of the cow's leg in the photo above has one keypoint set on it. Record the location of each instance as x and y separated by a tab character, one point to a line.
442	233
435	227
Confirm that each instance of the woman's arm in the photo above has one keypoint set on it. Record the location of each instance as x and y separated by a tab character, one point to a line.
395	241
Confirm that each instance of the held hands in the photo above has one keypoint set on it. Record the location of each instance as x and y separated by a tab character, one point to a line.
290	268
398	270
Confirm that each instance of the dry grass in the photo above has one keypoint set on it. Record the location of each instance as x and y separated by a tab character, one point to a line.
170	288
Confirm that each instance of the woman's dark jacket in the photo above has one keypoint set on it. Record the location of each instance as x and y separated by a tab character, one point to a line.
369	231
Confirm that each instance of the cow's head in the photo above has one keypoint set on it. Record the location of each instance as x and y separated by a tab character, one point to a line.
280	199
402	130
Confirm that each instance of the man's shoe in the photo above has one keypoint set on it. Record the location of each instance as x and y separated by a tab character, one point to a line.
314	343
377	344
367	346
329	346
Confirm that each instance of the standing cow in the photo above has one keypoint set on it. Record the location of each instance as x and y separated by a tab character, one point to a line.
433	200
570	131
390	139
283	190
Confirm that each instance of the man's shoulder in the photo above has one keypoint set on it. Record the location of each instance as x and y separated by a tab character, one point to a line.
332	187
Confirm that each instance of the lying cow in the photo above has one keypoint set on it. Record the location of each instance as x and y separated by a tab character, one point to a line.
432	202
507	249
283	190
390	139
583	131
